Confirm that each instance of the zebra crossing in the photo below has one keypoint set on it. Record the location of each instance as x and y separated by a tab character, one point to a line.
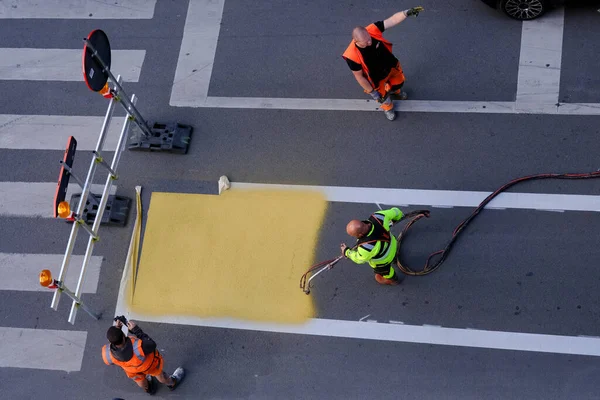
31	202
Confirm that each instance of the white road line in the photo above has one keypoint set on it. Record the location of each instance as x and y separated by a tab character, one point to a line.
437	106
77	9
197	53
63	64
50	132
540	59
579	109
42	349
441	198
356	104
35	199
288	103
21	271
397	332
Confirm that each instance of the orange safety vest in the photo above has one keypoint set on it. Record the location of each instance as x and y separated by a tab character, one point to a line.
352	53
138	364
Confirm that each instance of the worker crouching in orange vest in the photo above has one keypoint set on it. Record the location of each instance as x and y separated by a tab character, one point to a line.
138	356
373	64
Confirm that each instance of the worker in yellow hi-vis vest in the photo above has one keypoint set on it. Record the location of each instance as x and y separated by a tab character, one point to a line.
375	244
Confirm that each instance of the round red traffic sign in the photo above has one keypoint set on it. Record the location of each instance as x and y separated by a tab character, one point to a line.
94	73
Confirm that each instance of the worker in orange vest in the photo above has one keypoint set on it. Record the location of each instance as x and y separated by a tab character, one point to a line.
138	356
375	68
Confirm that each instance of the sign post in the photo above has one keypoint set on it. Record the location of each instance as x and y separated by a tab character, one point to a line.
106	208
87	210
164	137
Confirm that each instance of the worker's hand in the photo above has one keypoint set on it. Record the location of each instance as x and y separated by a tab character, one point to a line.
375	95
131	325
343	247
118	324
413	11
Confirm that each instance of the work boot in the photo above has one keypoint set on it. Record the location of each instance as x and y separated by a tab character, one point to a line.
384	281
151	388
390	115
398	95
177	377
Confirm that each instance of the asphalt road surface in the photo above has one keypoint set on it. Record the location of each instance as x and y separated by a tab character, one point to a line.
517	269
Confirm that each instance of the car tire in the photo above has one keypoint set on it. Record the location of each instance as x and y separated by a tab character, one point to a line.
523	10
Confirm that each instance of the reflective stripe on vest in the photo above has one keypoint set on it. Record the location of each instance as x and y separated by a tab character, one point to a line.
107	355
137	351
386	252
139	363
367	246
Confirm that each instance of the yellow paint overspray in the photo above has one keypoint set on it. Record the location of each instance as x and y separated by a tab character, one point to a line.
237	255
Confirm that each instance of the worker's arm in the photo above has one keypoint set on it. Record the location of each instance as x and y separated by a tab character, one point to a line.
359	256
401	16
148	345
392	215
359	75
362	81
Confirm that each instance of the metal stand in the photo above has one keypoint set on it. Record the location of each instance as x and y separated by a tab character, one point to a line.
60	287
79	182
173	138
80	213
117	208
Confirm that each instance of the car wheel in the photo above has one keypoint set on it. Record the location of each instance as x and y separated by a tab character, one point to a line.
523	9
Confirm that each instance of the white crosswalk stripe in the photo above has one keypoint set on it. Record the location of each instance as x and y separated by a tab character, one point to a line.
42	348
540	60
51	349
62	64
34	199
197	53
77	9
51	132
20	271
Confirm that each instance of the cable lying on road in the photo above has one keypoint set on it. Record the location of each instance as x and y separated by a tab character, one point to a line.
305	282
443	254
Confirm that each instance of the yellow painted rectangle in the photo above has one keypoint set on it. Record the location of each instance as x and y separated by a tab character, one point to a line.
240	255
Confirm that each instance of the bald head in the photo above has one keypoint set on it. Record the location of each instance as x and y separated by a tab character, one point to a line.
361	37
357	228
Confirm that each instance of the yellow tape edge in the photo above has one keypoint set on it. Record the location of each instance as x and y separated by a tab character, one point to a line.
131	262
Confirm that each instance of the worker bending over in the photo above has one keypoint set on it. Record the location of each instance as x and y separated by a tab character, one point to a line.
375	68
375	244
